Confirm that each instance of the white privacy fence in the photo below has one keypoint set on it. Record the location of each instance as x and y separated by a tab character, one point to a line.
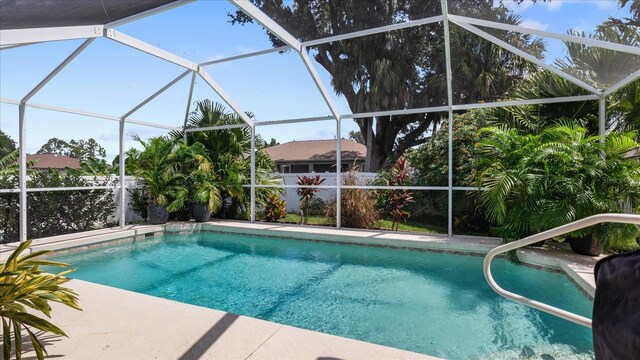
292	198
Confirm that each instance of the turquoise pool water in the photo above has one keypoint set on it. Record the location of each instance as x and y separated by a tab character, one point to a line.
437	304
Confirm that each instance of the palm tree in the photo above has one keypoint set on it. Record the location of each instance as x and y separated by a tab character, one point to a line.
9	164
597	66
162	178
229	151
536	182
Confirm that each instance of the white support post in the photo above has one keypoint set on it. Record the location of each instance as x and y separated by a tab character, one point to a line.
23	135
186	114
602	118
156	94
22	141
319	84
57	70
253	173
123	188
14	37
447	51
149	49
218	90
338	174
247	55
526	56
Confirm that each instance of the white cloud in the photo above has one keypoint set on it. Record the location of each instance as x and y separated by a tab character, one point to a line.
534	24
604	4
554	5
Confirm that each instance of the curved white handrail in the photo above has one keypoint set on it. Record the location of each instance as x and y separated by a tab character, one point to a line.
560	230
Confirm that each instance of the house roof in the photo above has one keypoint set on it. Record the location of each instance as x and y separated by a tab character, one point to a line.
316	150
52	161
24	14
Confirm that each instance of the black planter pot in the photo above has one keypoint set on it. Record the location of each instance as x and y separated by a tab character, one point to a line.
184	214
586	246
201	212
157	214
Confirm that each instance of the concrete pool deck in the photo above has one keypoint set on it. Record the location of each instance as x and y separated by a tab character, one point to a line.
118	324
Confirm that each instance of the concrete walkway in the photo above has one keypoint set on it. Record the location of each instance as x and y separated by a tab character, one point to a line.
118	324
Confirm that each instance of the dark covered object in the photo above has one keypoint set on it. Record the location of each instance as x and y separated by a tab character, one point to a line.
616	307
25	14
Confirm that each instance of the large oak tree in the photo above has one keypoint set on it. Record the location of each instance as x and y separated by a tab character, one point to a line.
401	69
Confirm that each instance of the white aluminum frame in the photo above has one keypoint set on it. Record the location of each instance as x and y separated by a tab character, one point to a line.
20	37
447	51
377	30
574	39
528	57
11	38
148	13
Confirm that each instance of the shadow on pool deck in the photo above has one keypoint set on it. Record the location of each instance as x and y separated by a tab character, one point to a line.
200	347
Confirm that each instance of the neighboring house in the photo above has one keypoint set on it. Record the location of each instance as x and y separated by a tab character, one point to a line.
52	161
316	155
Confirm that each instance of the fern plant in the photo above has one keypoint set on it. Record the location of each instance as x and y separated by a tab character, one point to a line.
23	285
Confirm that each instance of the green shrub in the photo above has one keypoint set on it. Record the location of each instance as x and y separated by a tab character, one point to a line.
532	183
275	209
53	213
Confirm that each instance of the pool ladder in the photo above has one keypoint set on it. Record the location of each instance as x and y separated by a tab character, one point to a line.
560	230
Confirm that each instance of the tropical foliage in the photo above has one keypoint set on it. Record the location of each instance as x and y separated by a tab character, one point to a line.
399	199
534	182
307	194
275	209
229	153
25	291
160	173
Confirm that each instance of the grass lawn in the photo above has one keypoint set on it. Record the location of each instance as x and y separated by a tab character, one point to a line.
382	224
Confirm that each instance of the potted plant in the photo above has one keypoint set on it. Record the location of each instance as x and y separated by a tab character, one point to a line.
161	178
206	193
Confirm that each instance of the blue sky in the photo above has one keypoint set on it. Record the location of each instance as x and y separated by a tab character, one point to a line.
110	78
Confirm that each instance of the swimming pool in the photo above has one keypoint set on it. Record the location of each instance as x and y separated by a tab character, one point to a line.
432	303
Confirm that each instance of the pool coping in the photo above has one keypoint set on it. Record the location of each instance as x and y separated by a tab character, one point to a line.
555	257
